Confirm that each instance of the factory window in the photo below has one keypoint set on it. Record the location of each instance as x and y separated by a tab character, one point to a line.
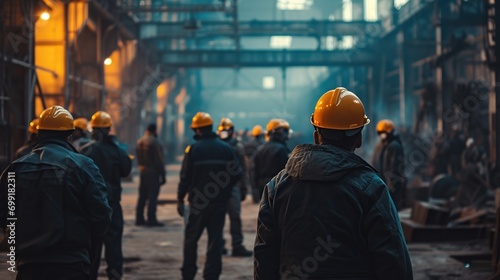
281	42
400	3
268	82
294	4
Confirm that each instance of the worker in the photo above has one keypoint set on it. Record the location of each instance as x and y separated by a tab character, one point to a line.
271	157
250	147
114	164
238	193
26	148
152	176
390	161
60	204
209	170
80	137
328	214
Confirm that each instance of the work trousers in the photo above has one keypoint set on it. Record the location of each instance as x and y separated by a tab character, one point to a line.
212	218
50	271
234	211
112	242
149	188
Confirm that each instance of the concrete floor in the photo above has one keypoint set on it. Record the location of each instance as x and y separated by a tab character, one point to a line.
156	253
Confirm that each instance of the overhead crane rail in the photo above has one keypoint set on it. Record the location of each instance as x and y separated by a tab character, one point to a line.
313	28
233	58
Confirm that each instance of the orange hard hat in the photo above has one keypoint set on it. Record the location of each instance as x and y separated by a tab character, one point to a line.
81	123
201	119
285	124
257	130
100	119
33	126
225	124
274	124
386	126
55	118
339	109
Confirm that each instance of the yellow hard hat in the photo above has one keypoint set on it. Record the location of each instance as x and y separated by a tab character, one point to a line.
33	124
201	119
225	124
386	126
81	123
274	124
55	118
100	119
257	130
339	109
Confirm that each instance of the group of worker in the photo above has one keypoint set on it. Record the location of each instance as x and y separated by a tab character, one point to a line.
324	212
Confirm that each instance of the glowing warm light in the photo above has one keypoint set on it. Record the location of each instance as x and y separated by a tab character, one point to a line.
108	61
45	16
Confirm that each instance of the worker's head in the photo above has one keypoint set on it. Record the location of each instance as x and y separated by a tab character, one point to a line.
101	124
151	128
385	129
32	129
257	131
276	130
287	130
80	128
55	122
202	123
80	123
339	118
225	129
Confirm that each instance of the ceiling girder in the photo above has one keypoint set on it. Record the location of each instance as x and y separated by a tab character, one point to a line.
313	28
233	58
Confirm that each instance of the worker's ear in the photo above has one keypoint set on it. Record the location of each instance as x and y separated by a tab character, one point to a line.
359	140
316	137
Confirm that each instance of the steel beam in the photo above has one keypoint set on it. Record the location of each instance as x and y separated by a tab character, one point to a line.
232	58
175	8
155	30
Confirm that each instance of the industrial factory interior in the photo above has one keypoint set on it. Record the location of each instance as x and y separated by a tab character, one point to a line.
96	92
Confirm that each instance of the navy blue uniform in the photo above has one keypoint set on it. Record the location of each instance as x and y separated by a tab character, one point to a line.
209	171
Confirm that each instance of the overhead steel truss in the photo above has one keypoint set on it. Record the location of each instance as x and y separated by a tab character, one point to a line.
312	28
234	58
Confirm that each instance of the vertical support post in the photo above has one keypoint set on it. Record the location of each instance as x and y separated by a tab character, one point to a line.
401	67
496	83
439	75
283	89
371	100
101	103
67	55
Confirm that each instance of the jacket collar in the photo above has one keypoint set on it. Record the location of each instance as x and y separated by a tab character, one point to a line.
55	141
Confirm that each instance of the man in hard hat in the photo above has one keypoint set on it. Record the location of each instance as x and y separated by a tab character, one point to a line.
389	161
209	171
80	137
152	176
114	164
54	199
271	157
250	147
239	191
328	214
26	148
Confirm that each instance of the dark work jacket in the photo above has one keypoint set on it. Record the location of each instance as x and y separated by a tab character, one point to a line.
60	203
329	210
150	155
392	163
269	159
113	162
209	171
25	149
240	155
